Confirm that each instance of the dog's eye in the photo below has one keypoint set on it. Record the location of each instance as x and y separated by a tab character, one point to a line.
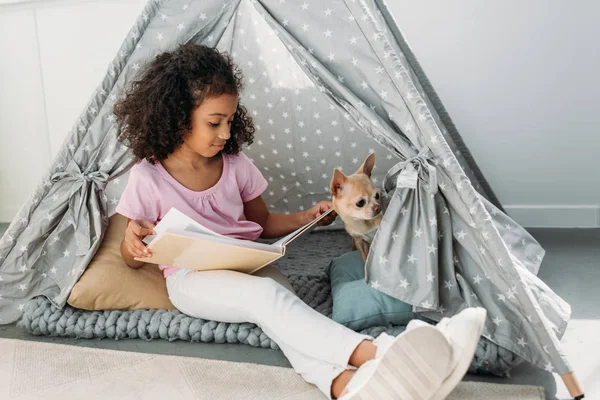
377	196
360	203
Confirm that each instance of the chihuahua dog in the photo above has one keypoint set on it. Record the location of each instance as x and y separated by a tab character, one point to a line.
358	203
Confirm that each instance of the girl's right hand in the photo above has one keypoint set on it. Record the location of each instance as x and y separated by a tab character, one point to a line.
135	232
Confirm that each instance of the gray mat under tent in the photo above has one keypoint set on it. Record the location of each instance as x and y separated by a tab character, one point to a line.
304	265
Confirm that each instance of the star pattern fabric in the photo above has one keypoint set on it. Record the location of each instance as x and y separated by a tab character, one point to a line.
326	84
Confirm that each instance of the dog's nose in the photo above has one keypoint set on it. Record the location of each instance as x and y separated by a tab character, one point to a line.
377	209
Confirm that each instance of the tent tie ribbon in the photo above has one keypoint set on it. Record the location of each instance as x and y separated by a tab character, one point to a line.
86	190
409	172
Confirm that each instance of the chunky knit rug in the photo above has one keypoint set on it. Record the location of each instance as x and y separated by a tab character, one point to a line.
304	266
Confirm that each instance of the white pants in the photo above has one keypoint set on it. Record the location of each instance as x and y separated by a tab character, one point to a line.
317	347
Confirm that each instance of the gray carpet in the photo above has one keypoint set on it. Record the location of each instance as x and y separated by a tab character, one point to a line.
571	268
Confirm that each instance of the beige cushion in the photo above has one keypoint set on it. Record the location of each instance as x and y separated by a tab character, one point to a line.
109	284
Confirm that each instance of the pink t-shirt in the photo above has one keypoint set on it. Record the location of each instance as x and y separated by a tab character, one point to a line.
151	192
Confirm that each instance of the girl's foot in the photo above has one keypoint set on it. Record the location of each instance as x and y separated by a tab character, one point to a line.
413	366
463	332
425	362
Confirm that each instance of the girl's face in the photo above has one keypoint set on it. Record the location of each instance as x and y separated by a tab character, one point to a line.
211	125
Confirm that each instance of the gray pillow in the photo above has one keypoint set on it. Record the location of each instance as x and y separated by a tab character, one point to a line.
357	305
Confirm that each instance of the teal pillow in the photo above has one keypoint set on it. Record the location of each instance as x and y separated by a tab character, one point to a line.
357	305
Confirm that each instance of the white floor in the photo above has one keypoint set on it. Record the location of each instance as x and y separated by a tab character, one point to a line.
35	370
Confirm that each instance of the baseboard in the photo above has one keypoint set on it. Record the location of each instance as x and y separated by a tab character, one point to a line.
563	216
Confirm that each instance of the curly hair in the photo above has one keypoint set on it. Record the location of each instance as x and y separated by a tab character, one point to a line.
156	113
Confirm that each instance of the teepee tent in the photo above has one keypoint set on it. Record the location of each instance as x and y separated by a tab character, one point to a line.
326	83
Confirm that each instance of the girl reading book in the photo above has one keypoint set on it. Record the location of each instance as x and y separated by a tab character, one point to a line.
186	127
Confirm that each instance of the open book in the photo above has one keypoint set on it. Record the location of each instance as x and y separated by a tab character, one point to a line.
184	243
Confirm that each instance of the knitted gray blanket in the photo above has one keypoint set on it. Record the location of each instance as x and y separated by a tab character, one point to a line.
304	266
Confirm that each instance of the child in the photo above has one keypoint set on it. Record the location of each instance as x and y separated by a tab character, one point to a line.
185	126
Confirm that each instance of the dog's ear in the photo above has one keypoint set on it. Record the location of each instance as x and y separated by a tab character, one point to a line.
367	166
337	182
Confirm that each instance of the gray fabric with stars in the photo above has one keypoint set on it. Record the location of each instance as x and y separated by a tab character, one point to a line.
326	82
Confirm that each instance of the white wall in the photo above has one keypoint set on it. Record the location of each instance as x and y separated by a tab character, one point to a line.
53	55
520	80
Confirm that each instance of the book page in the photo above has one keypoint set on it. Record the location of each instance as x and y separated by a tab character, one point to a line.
178	223
249	244
201	252
298	232
175	219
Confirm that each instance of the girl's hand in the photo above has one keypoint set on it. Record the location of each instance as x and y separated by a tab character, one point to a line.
135	232
318	209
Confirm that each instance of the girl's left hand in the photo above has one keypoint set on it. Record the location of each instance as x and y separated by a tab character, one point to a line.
319	208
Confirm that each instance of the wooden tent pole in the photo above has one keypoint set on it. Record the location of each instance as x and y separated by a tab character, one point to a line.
573	386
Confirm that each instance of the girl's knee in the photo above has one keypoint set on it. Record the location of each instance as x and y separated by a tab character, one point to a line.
263	289
264	295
